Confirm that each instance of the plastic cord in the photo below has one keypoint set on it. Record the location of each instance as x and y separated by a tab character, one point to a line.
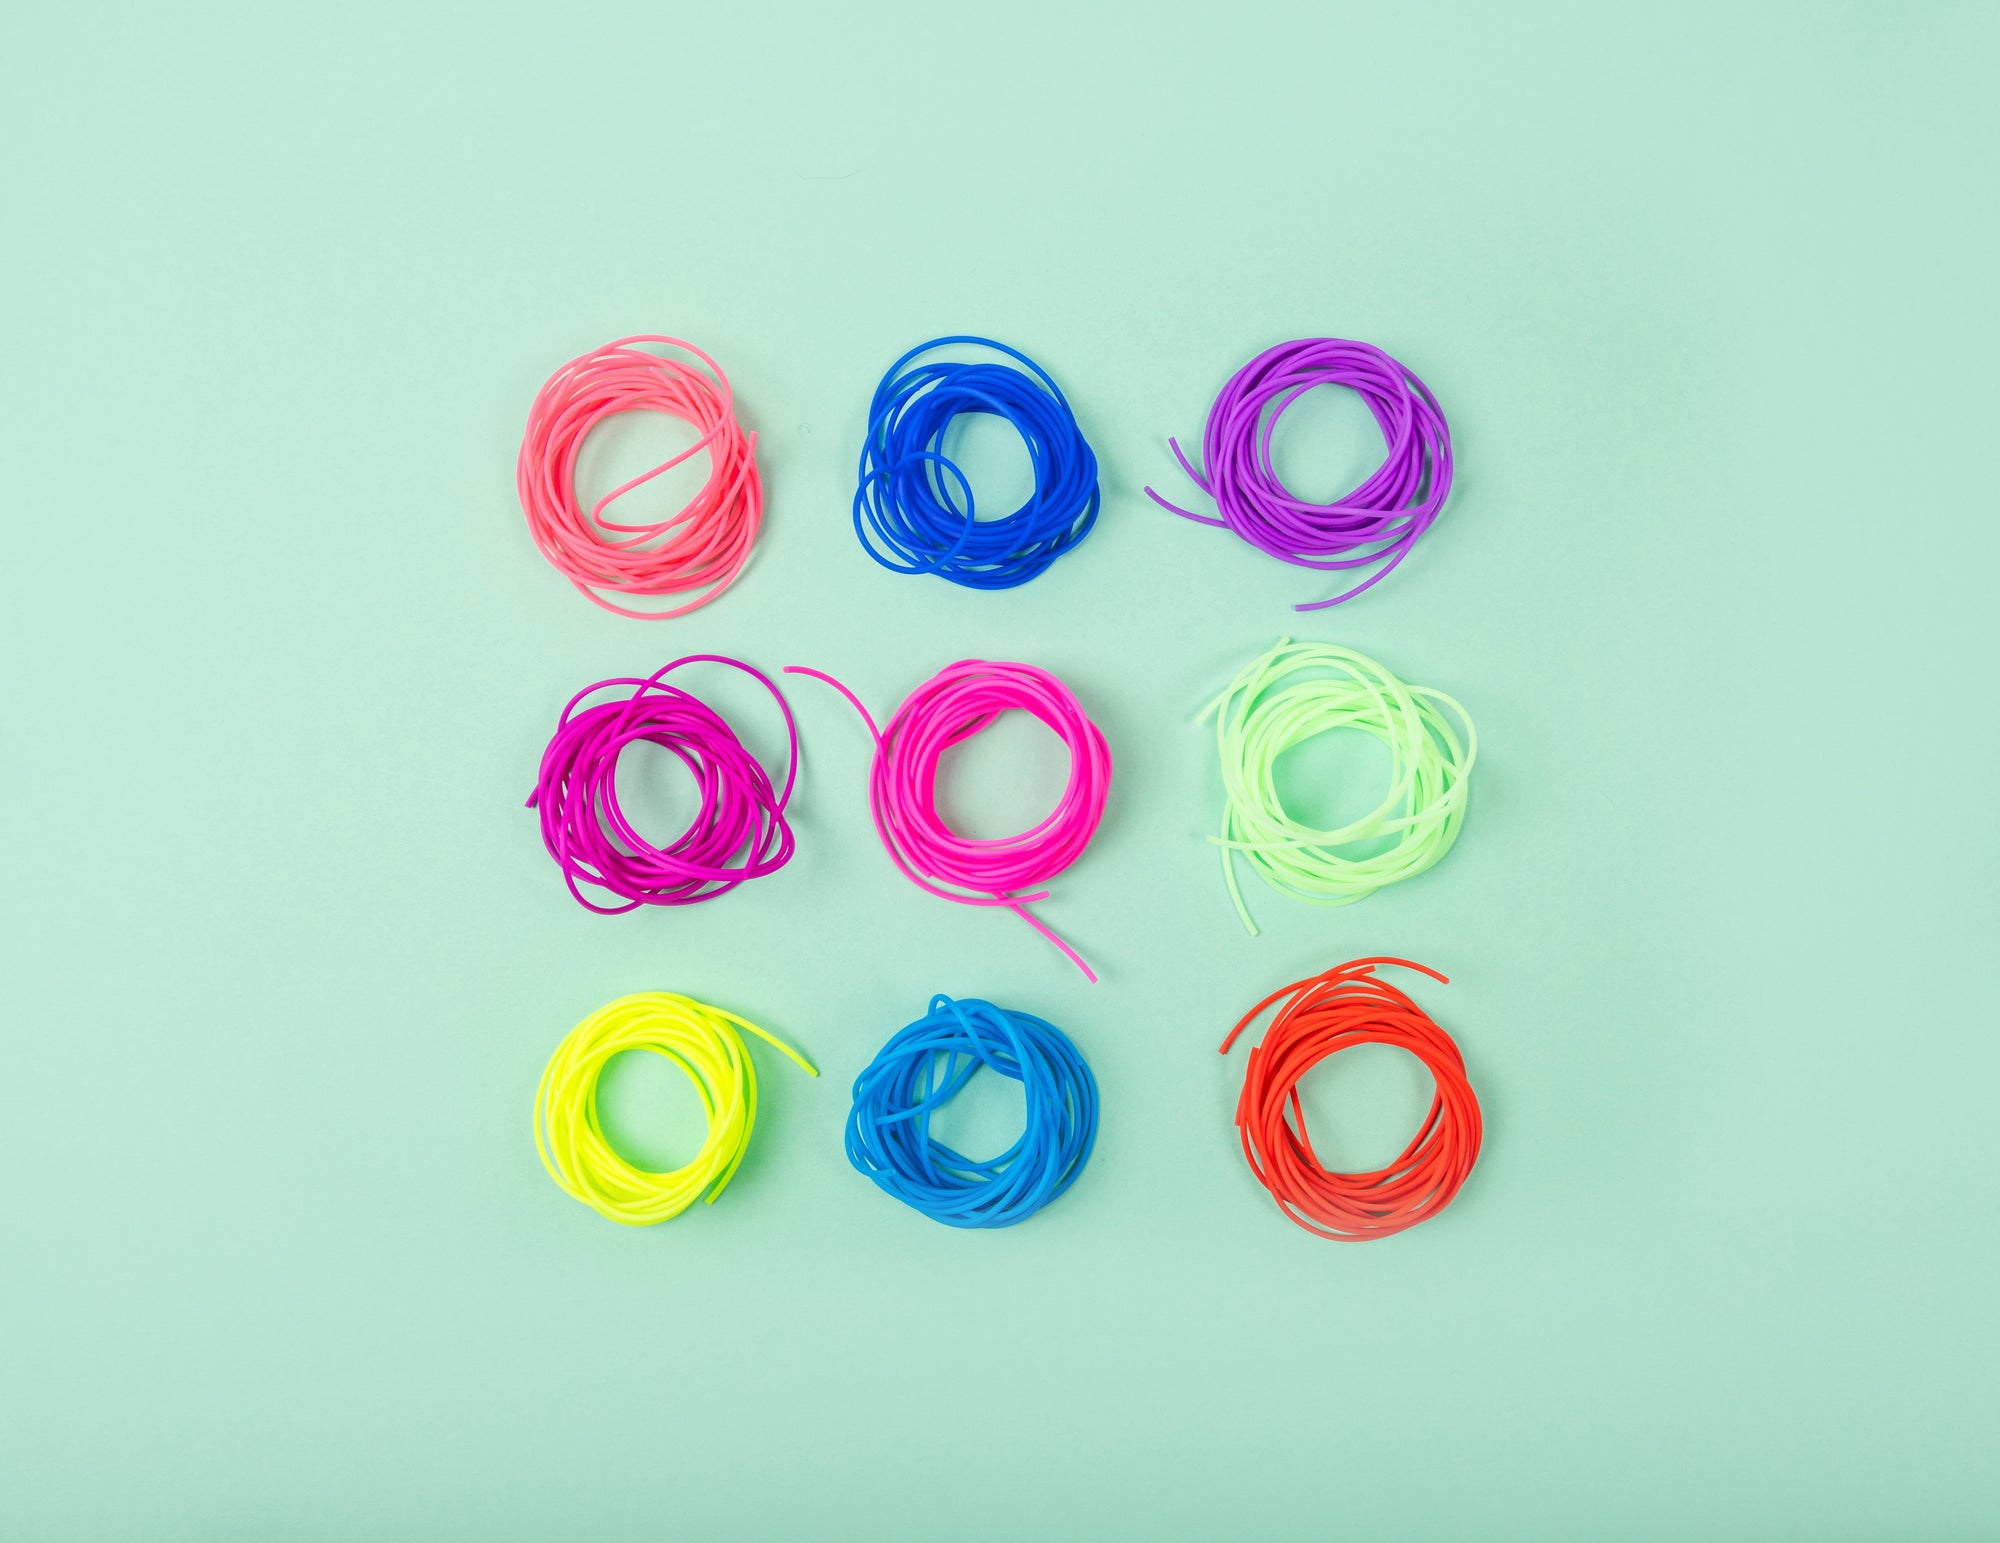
706	544
923	1065
1349	1006
1273	705
945	710
703	1042
913	508
1377	523
739	832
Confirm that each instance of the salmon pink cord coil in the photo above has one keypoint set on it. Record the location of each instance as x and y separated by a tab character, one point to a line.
1345	1007
1012	871
696	552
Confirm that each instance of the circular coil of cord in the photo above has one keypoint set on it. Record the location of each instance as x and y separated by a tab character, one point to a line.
1348	1006
914	510
1012	872
702	547
1288	695
704	1043
924	1065
1373	526
739	832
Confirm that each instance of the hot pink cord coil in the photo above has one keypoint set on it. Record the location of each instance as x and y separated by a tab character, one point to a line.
950	707
705	545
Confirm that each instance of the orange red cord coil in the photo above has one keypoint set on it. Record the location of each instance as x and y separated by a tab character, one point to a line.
1344	1007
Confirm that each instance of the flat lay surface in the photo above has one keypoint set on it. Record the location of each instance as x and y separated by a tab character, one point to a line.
1702	297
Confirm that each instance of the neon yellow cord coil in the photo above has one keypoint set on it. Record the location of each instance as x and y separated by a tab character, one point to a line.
1298	690
702	1041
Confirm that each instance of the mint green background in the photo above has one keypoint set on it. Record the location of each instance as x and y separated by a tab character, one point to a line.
1706	294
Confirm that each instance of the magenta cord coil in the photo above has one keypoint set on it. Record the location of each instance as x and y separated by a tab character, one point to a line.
1377	523
1012	872
738	833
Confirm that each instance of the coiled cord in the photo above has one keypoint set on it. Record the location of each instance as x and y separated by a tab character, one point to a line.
706	544
1377	523
945	710
739	832
907	512
1344	1007
923	1065
703	1042
1272	705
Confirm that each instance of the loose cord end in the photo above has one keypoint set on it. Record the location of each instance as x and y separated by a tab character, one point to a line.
852	700
1049	932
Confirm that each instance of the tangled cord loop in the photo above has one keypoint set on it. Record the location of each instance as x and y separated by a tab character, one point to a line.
907	507
1344	1007
703	1042
1273	705
923	1065
945	710
1377	523
706	544
739	832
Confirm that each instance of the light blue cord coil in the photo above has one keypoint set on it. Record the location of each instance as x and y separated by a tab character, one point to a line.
923	1065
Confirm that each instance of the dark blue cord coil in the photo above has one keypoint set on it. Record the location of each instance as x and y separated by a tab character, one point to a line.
907	508
923	1065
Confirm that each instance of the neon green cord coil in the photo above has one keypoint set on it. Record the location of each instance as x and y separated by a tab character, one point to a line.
1275	703
702	1041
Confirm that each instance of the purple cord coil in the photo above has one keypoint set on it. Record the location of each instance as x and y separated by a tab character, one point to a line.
739	832
1379	521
